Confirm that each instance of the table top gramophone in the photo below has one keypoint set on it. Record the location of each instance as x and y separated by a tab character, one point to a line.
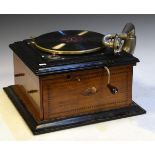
70	78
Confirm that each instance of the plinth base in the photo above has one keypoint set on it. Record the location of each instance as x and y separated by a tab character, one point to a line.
50	126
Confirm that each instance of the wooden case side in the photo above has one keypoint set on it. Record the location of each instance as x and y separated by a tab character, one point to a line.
27	86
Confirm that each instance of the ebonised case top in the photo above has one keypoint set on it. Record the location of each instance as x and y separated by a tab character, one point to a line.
43	63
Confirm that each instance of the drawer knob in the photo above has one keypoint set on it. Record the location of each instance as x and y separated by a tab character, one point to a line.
90	91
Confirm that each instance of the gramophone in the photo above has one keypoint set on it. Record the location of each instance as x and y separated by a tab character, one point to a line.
70	78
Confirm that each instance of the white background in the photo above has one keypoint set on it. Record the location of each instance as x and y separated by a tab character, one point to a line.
80	6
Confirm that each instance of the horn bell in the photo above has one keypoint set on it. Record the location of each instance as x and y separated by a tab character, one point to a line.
130	41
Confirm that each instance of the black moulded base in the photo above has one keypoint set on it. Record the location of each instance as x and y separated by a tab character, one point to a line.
50	126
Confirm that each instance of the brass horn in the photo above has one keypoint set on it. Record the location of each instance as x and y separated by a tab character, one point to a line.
126	41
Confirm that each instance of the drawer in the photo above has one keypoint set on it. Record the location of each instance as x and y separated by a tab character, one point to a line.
83	92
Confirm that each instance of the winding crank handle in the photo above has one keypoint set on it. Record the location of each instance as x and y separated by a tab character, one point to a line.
112	88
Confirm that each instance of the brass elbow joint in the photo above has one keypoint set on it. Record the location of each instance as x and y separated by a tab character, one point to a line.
126	41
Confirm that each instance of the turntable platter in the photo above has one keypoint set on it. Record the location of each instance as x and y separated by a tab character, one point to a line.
69	42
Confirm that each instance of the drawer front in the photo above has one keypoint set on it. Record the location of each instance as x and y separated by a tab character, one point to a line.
84	92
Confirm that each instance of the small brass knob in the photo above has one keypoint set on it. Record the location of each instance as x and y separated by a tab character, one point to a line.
90	91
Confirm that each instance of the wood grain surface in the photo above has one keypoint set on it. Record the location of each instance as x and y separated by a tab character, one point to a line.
69	94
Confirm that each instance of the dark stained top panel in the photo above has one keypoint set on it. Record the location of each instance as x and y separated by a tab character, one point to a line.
42	63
